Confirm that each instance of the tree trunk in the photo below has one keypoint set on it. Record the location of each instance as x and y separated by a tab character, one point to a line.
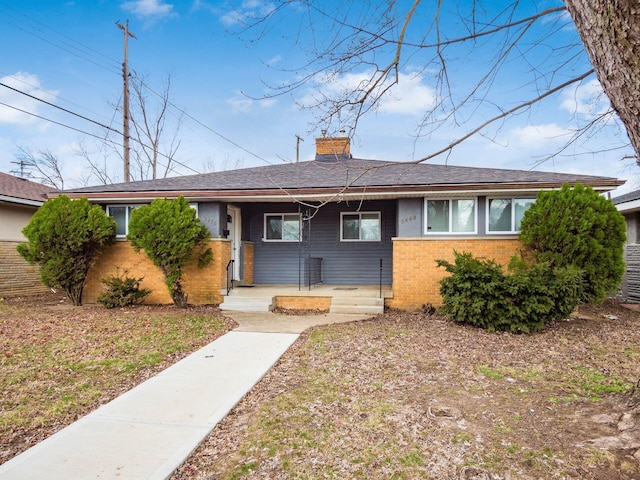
610	31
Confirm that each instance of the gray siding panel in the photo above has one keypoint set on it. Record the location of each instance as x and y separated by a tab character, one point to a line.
344	263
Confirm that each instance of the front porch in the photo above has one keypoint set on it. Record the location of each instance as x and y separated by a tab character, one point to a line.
356	299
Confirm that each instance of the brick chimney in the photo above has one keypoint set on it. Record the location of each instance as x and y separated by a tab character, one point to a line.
332	149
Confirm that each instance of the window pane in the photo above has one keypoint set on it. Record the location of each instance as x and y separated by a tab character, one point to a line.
351	227
464	215
274	227
521	206
437	216
291	228
120	216
369	226
500	215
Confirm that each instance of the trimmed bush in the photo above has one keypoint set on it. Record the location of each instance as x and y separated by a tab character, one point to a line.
577	226
479	293
122	291
65	237
172	236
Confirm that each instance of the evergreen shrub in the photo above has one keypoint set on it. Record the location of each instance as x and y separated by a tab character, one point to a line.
479	293
122	291
172	236
65	237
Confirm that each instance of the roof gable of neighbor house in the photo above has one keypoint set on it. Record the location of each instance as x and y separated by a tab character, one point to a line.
21	191
629	202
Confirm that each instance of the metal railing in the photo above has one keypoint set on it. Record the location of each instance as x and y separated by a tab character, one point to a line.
380	278
313	271
230	278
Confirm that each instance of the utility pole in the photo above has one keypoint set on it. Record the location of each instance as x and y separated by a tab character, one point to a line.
22	173
125	101
298	140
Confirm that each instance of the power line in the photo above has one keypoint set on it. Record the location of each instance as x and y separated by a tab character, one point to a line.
58	107
184	112
70	47
105	139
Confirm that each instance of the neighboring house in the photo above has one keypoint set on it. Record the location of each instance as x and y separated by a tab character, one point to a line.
336	225
629	205
19	199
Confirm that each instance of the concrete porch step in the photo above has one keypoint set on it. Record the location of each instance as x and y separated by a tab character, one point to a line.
240	303
361	305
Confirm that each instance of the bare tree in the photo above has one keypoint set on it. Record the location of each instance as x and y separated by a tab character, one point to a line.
359	53
100	164
154	138
154	147
42	166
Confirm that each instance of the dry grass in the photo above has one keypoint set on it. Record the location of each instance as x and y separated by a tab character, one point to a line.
412	396
60	362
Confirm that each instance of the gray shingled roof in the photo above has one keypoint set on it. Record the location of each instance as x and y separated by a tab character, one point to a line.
18	190
627	197
356	173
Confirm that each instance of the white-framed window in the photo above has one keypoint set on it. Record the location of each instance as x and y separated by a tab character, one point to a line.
360	227
281	227
451	215
505	214
121	214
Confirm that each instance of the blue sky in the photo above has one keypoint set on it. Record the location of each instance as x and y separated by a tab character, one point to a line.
69	53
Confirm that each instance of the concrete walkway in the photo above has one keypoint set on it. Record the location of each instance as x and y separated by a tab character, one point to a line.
150	430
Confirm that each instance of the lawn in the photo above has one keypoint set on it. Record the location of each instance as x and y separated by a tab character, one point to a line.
403	395
407	396
59	361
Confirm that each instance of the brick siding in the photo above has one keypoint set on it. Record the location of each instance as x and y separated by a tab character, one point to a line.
416	277
17	277
247	275
202	285
304	303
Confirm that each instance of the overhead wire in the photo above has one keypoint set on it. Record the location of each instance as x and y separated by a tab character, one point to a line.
137	140
74	49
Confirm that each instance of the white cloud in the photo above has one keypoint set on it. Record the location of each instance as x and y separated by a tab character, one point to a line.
241	104
534	136
585	99
29	84
148	8
410	96
248	10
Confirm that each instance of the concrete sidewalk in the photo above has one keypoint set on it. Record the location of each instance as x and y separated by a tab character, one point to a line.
150	430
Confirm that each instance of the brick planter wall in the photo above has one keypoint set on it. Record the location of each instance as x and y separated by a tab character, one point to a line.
416	277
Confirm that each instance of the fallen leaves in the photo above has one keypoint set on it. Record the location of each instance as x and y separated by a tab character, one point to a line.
58	362
412	395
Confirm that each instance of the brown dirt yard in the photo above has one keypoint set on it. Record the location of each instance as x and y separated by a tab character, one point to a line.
403	395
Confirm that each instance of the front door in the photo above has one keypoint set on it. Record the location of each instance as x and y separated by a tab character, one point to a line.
234	220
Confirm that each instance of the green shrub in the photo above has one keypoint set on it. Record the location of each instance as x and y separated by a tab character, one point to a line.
481	294
65	237
475	292
122	291
577	226
172	236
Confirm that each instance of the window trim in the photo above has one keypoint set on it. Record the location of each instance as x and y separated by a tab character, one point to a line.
513	231
281	215
126	206
377	213
450	232
127	213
